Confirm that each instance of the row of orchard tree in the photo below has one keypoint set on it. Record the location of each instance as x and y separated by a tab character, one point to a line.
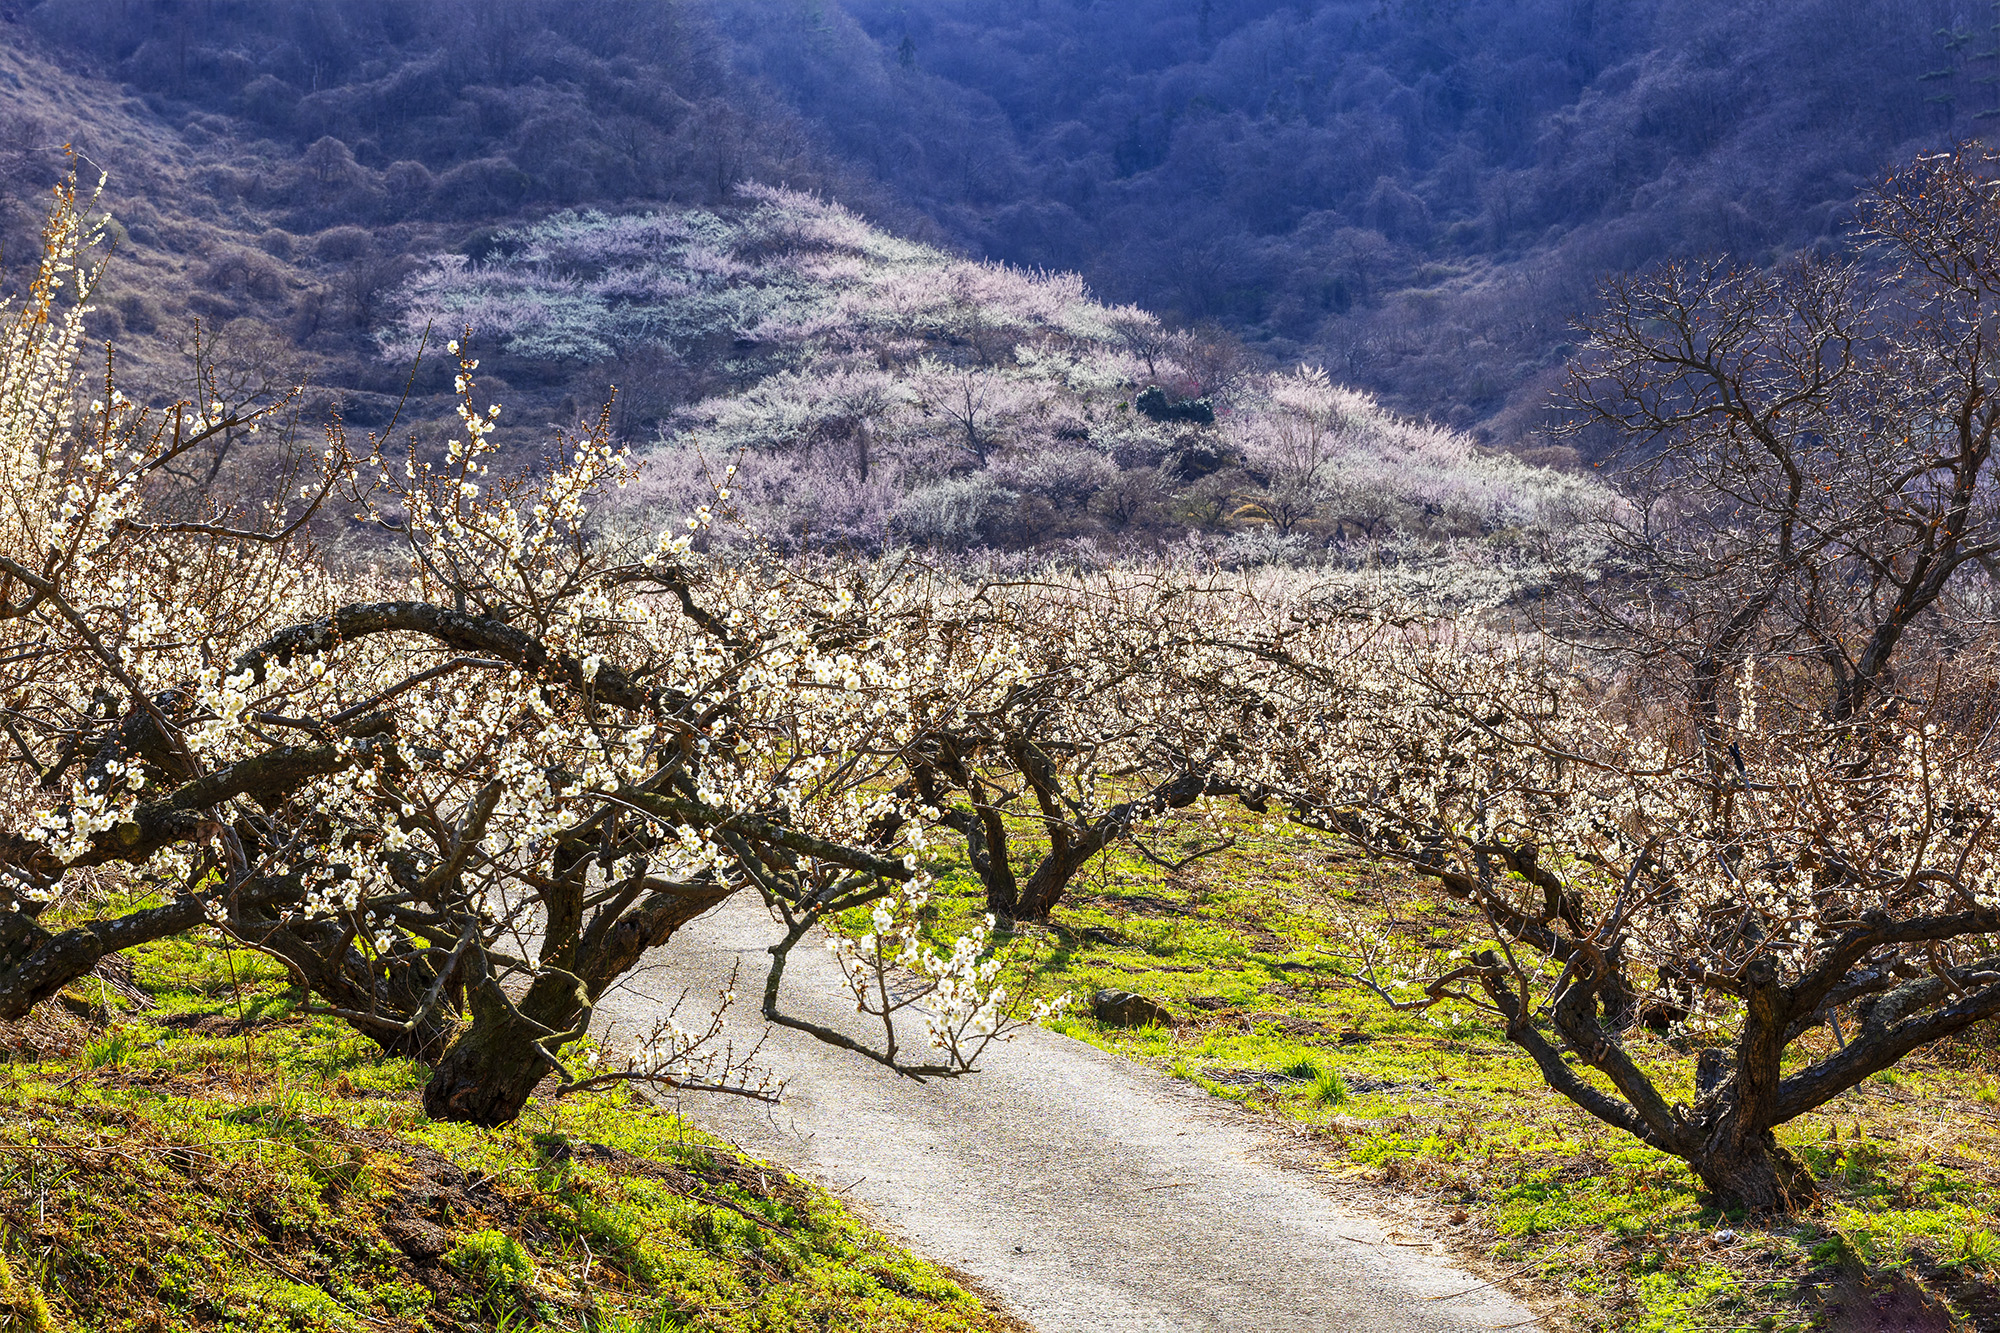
1742	786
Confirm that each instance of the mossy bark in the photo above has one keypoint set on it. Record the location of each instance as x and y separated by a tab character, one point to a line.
493	1064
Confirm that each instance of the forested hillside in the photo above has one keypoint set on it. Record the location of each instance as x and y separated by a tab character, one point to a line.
1417	196
329	194
1419	193
276	170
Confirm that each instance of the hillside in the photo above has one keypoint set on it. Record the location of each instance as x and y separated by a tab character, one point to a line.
846	388
870	391
274	170
1419	194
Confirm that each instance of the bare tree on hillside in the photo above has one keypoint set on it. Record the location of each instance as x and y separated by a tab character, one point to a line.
1810	449
1292	446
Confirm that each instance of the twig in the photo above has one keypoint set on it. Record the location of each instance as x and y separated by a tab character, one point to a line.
1494	1282
742	1212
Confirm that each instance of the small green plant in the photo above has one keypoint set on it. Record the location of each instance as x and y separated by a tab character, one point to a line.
1329	1089
612	1230
403	1299
1973	1247
21	1305
494	1262
1306	1065
109	1049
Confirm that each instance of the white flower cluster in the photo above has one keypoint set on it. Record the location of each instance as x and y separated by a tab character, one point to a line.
964	1009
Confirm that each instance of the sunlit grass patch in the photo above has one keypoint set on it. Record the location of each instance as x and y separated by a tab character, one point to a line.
219	1161
1244	948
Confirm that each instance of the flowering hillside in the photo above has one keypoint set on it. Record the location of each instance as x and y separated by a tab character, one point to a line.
848	388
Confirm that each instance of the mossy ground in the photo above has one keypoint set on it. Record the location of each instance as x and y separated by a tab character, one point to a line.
216	1161
1244	947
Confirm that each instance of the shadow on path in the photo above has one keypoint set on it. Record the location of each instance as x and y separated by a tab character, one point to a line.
1089	1194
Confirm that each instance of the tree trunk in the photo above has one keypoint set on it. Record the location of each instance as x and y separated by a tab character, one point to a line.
1044	889
1071	848
494	1063
1002	899
1758	1176
986	849
324	960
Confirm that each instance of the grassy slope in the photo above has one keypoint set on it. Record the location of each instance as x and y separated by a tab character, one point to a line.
215	1162
1239	946
179	1168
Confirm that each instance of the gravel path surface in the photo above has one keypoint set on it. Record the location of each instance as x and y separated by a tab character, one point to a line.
1088	1194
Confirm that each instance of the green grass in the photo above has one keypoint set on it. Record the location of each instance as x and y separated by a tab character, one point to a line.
177	1169
172	1168
1328	1089
1243	947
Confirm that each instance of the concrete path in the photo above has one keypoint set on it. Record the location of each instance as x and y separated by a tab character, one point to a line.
1088	1194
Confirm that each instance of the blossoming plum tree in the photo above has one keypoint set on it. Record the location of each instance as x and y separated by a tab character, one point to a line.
1078	723
1817	853
1590	867
460	791
479	778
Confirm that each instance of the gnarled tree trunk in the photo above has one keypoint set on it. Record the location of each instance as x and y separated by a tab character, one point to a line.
1756	1174
1073	840
494	1062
